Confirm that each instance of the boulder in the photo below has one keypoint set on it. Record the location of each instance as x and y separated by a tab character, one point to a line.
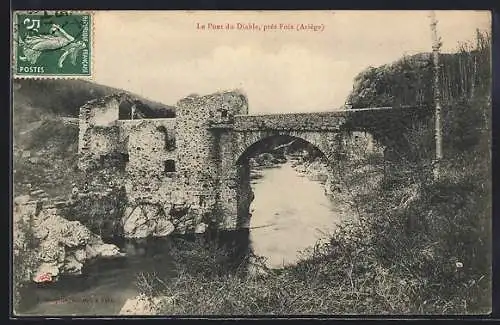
45	214
146	220
91	252
132	221
163	228
76	234
46	272
108	250
72	265
51	251
141	231
40	232
80	255
63	246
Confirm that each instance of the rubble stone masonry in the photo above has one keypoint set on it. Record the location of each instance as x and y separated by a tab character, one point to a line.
185	173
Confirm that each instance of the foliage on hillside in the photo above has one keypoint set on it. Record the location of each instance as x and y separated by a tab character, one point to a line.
408	81
417	246
45	130
34	99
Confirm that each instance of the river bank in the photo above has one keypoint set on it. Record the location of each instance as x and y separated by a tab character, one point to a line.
367	265
104	287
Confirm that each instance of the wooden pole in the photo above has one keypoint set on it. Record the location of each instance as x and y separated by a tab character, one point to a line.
436	45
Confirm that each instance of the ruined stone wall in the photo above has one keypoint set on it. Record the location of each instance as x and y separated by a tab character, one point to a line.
185	172
98	134
146	179
196	167
244	196
230	175
201	147
356	145
104	141
358	164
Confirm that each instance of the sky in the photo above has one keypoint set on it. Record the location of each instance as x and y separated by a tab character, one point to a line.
166	55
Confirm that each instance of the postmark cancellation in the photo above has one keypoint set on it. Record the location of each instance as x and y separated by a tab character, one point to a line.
52	44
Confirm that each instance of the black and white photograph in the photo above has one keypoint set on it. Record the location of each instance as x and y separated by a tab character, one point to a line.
251	163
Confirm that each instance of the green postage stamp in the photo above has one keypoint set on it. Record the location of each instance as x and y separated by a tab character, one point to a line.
52	44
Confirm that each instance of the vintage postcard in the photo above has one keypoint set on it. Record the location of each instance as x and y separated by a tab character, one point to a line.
242	163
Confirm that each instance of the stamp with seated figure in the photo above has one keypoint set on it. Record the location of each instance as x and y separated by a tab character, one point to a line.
52	44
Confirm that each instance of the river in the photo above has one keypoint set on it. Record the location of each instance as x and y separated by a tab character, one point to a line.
290	213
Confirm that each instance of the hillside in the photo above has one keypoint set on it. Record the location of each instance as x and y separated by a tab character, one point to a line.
409	80
464	88
45	130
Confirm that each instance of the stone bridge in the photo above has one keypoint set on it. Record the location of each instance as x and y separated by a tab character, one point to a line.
193	169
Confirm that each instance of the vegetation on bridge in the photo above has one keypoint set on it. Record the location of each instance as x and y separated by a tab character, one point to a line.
418	245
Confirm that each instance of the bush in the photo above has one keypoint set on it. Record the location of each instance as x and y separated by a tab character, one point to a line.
100	212
418	245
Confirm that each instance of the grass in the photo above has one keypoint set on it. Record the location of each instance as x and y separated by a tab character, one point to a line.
379	264
417	245
415	248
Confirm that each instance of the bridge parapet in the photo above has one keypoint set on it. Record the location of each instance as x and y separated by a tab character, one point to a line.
329	121
213	124
367	119
326	121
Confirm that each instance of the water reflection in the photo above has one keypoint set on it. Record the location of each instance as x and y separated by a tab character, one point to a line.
290	213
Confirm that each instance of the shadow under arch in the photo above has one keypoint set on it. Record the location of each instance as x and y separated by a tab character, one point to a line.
280	145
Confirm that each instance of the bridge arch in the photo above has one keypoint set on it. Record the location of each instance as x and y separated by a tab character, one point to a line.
250	142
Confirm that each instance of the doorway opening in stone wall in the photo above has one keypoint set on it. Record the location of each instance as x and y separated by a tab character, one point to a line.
286	199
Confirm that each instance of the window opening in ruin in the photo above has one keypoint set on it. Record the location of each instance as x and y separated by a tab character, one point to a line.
169	140
126	110
170	166
169	143
224	113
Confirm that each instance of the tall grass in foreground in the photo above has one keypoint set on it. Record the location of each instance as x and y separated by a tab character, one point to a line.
370	266
417	246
